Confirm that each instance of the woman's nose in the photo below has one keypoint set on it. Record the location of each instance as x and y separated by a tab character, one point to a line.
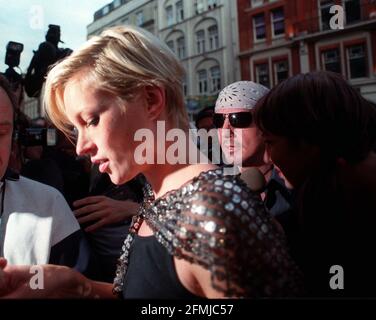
84	145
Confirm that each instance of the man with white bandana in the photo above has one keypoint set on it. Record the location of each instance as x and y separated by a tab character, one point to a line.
242	143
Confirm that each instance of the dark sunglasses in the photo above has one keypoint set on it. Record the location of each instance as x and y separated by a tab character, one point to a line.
237	119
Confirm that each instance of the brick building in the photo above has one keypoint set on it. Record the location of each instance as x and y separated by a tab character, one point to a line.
280	38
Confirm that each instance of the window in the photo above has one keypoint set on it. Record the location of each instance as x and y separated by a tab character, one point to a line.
125	21
256	3
116	3
179	11
185	86
199	6
170	44
325	14
212	4
213	37
332	60
139	18
181	48
215	75
259	27
202	82
262	74
169	15
200	41
357	61
281	71
106	9
278	22
352	9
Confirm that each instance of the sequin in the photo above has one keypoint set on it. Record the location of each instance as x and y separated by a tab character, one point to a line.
236	198
229	206
228	185
218	182
252	212
210	226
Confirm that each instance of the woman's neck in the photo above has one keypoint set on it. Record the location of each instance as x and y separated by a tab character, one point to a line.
168	176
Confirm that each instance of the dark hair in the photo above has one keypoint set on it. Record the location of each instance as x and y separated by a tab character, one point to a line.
5	85
322	109
204	113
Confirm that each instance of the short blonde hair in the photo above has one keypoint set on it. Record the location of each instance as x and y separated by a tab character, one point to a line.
119	61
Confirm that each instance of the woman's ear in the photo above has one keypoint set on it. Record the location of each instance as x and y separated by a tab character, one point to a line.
155	100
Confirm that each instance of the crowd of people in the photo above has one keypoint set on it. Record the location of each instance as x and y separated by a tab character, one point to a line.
300	201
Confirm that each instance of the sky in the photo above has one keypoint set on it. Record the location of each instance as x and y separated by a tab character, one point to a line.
27	21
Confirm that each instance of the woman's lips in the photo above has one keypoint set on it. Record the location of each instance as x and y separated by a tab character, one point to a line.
103	166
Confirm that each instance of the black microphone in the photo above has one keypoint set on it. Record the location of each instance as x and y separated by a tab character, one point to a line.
254	179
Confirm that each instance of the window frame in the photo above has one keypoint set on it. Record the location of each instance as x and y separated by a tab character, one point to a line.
273	21
255	26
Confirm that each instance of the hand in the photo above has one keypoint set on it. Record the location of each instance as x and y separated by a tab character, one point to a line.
103	210
41	281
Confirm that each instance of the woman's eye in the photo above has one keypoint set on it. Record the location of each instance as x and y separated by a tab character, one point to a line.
92	122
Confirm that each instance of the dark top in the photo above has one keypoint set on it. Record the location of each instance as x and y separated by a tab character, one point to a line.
159	279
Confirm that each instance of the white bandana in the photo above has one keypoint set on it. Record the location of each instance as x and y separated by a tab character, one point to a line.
240	95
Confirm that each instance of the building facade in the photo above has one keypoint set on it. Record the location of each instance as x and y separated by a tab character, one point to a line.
141	13
280	38
202	33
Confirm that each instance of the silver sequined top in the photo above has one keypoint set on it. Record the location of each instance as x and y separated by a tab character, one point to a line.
218	223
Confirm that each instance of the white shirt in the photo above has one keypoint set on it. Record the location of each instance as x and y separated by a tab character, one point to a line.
35	218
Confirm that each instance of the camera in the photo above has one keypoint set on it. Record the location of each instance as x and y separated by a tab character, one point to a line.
45	137
12	59
13	54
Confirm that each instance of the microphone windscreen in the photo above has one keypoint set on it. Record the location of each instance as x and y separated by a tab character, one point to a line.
254	179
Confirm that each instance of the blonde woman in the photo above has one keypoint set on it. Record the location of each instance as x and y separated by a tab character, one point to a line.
199	233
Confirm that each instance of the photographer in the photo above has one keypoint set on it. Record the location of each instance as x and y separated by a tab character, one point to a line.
36	165
47	54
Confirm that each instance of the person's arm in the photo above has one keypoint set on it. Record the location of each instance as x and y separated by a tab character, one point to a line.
103	211
49	281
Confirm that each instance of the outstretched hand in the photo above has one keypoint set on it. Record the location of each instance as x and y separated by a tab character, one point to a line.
41	281
103	210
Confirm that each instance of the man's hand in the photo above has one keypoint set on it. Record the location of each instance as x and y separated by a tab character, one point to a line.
103	210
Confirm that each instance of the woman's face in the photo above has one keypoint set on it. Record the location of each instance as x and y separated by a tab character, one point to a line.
105	129
296	161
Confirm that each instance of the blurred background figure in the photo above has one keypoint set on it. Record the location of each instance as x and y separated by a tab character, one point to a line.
106	216
204	121
47	54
